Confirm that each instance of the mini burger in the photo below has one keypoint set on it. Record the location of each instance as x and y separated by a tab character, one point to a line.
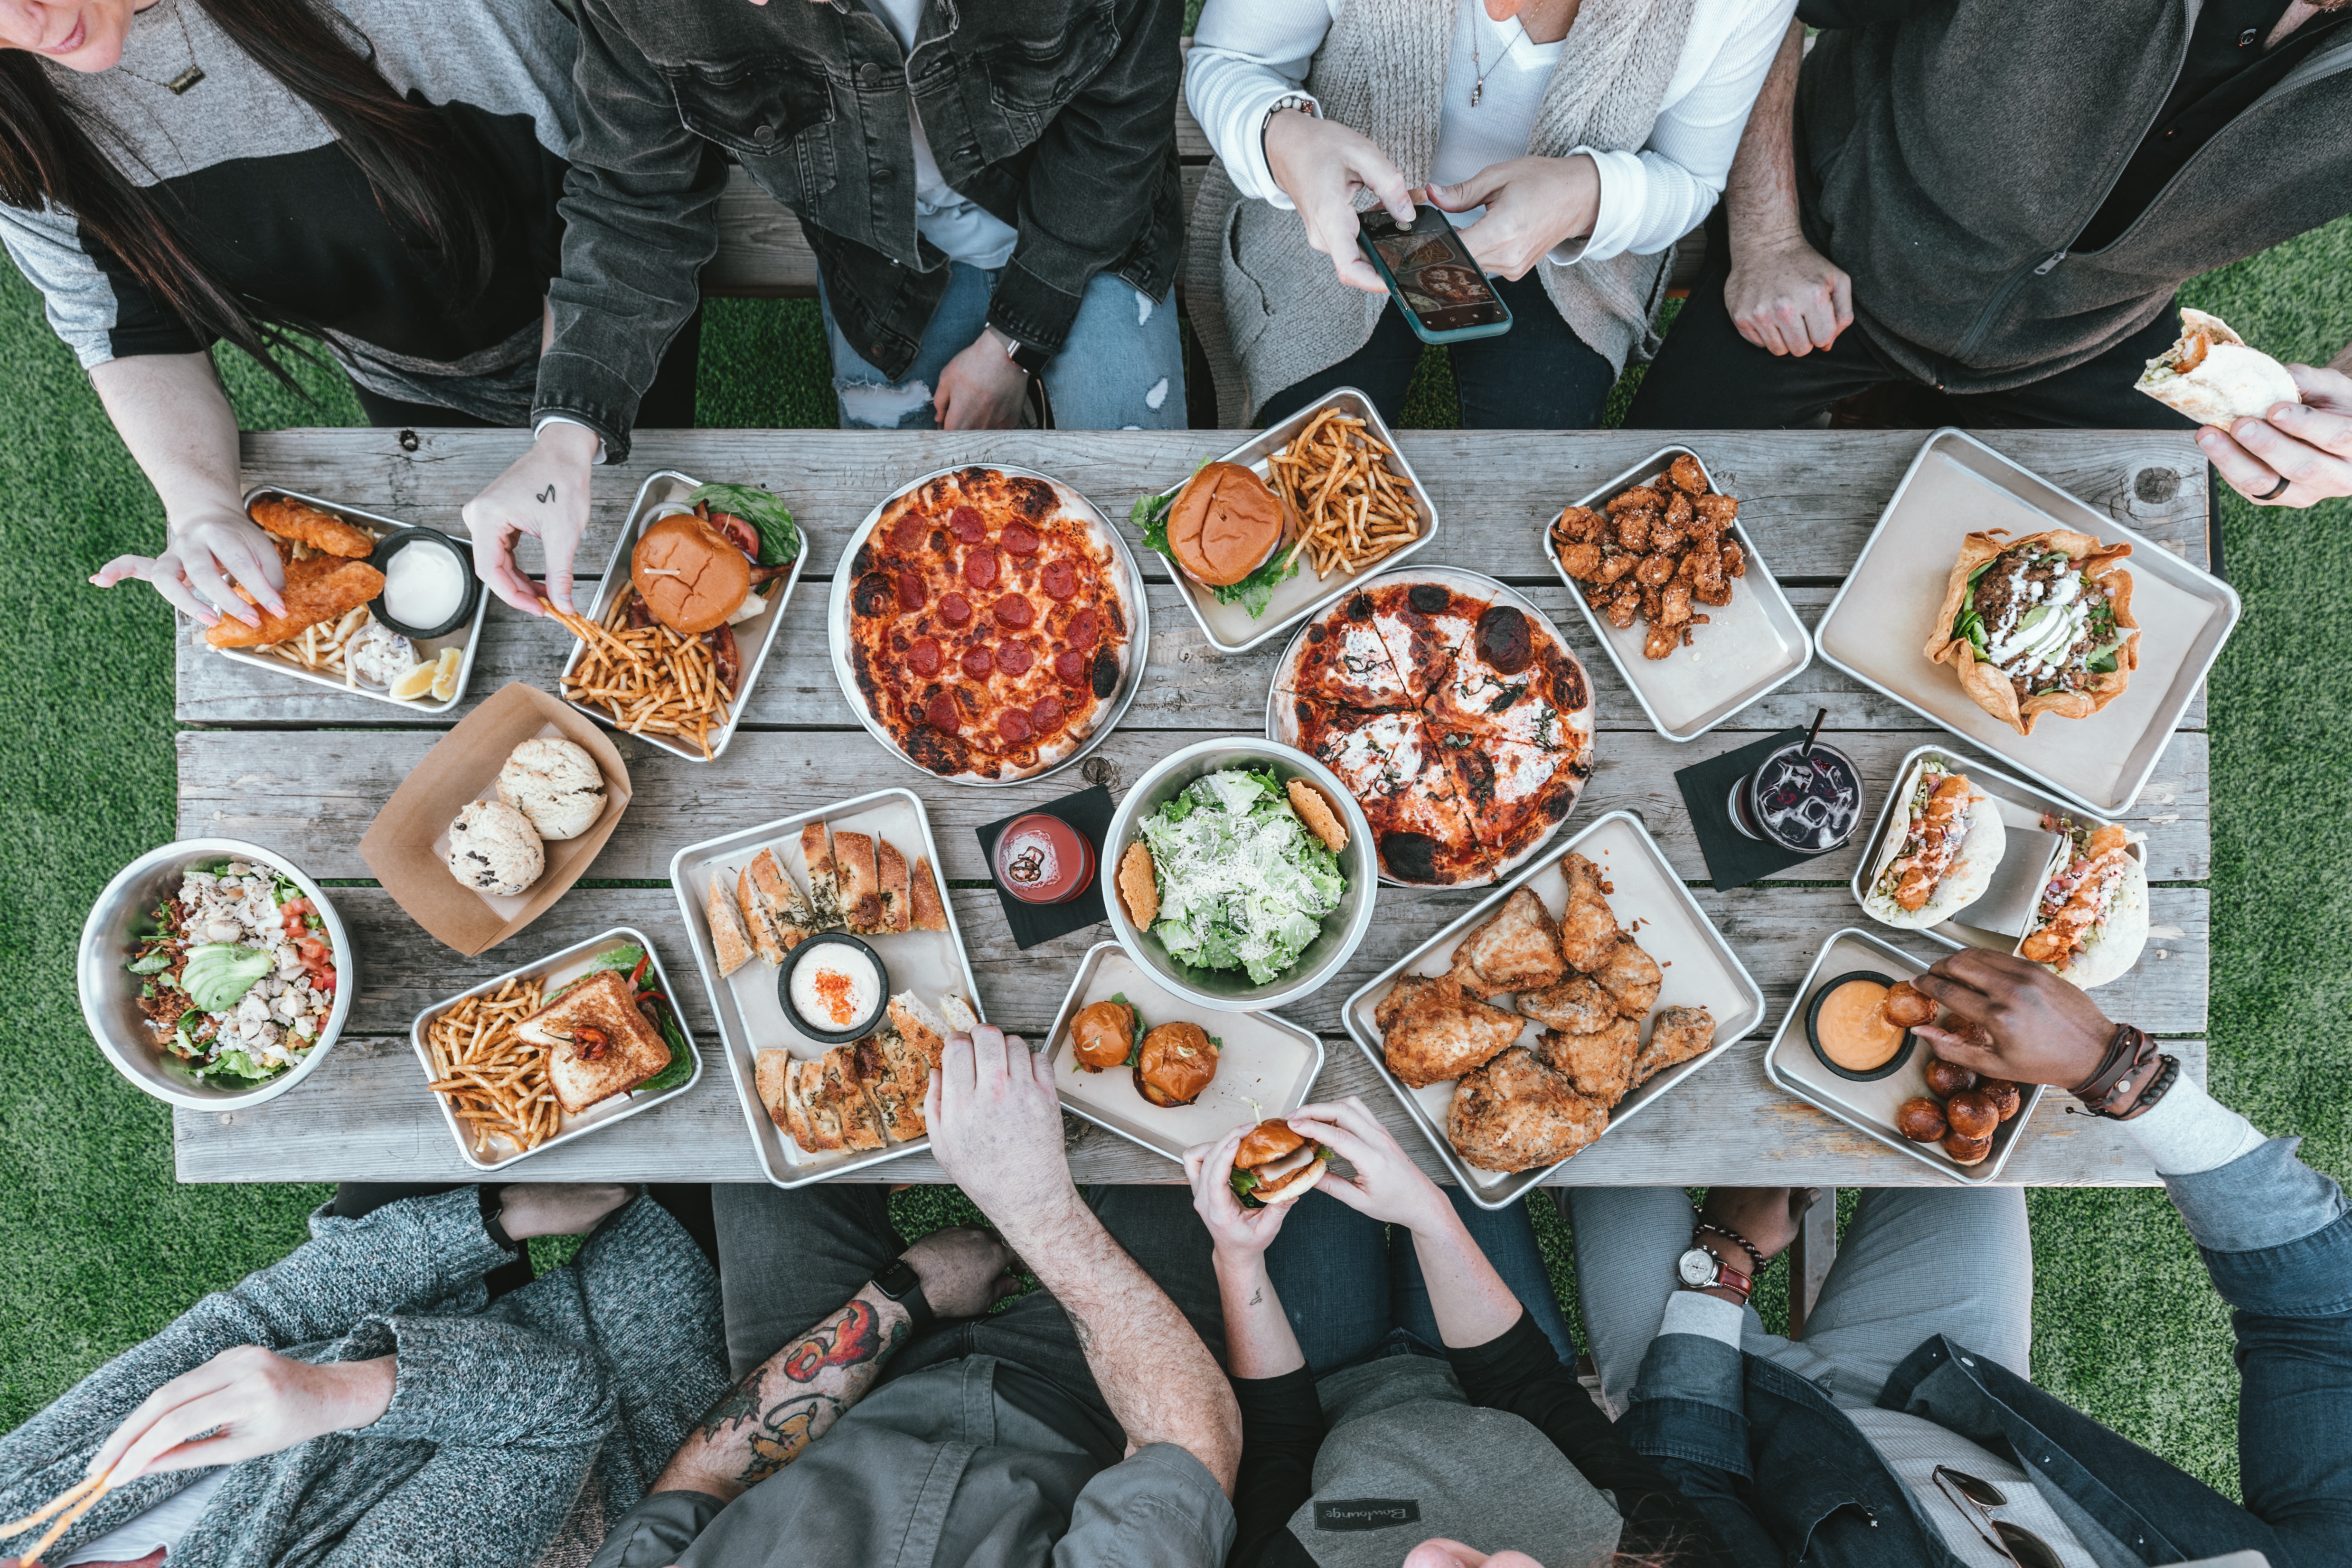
1103	1035
713	559
1175	1062
1225	523
1276	1164
1938	855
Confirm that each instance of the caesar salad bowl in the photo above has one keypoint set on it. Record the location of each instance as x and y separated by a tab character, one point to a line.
1232	990
125	911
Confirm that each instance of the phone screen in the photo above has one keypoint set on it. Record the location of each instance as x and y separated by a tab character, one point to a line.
1434	277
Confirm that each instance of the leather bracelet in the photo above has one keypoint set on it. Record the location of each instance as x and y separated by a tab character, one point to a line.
2159	1087
1754	1255
2128	1050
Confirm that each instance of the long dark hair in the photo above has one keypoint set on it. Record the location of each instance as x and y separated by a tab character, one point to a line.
422	184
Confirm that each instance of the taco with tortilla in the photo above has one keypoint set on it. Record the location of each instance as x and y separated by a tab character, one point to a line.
1938	856
2092	920
2214	377
2041	625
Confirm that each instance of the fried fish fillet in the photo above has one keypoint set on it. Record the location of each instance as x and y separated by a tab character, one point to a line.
1600	1064
1631	977
1516	1114
1576	1006
1432	1031
1588	930
1516	948
1679	1034
291	519
323	588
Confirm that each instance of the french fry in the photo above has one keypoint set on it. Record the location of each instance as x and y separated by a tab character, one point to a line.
1354	509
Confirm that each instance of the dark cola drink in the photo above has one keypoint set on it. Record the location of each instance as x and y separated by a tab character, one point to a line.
1809	803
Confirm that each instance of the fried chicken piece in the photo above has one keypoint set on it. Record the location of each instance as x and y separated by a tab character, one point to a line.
1639	496
1617	564
1578	525
1581	561
1516	948
1432	1031
1685	475
1576	1006
1679	1034
1735	560
1601	1064
1633	527
322	588
290	520
1625	607
1631	977
1515	1113
1588	930
1676	608
1717	513
1656	571
1654	604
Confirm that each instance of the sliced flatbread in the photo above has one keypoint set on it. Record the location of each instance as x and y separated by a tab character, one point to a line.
860	882
824	887
898	894
931	912
730	943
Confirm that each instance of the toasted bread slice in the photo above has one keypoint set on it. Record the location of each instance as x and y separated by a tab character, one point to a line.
897	896
810	1120
960	1016
825	888
776	886
771	1074
729	941
919	1027
929	912
845	1096
861	881
601	1044
897	1075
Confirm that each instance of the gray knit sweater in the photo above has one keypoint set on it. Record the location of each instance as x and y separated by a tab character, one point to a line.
518	1430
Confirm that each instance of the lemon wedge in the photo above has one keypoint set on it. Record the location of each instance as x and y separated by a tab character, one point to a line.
444	674
414	683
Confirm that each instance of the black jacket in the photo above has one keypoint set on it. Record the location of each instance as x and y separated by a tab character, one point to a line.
1057	116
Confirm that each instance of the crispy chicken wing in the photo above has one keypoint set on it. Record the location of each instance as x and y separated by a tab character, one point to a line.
1437	1032
1679	1034
1600	1066
1576	1006
1516	948
1632	977
1515	1113
1587	930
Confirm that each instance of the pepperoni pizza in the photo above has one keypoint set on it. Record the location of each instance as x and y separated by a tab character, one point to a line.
989	623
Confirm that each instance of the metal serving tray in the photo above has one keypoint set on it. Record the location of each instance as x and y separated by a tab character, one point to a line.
561	969
751	1019
1869	1107
836	627
2020	805
753	638
1880	620
1701	970
1756	640
468	636
1228	627
1266	1065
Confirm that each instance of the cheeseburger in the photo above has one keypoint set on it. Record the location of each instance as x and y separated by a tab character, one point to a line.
1225	523
1276	1164
691	576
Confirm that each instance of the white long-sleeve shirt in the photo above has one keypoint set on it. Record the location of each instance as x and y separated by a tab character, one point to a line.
1247	54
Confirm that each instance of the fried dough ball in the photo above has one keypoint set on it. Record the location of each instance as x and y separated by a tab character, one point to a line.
1971	1114
1949	1078
1685	475
1907	1007
1967	1151
2007	1098
1920	1119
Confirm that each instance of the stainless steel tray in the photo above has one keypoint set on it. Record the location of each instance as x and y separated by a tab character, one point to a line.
1869	1107
749	1017
836	627
1232	630
1701	970
753	638
1266	1067
2019	802
1880	620
1756	640
468	636
596	1118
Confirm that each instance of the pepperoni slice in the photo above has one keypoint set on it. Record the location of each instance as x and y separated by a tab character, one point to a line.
977	662
1021	539
1061	579
907	536
911	592
925	658
1014	726
967	525
1014	659
1071	667
955	609
979	568
1014	612
1047	714
943	714
1085	627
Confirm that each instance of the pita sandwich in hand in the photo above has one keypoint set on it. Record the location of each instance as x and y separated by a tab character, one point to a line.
2212	376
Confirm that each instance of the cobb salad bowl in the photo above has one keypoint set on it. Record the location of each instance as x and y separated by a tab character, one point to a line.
124	915
1341	930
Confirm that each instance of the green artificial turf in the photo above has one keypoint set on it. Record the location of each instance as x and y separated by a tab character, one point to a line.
103	1248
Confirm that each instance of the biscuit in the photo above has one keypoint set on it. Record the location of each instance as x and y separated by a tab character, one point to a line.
1139	885
1314	809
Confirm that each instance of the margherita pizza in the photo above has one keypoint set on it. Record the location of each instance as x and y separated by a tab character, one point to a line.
989	624
1456	717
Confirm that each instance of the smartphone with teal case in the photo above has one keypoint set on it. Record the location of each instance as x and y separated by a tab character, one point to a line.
1445	295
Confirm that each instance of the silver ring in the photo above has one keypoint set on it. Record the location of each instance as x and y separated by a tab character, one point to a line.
2275	491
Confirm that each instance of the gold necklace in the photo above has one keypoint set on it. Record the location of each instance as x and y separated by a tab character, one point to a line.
179	85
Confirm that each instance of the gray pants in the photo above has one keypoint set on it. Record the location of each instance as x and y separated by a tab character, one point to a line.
1915	1262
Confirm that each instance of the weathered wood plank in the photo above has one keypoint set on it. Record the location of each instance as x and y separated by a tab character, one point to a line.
312	793
366	1115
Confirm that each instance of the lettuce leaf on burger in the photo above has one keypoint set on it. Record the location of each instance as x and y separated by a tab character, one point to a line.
1224	528
1276	1164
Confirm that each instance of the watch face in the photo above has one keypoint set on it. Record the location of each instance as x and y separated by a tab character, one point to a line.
1696	1267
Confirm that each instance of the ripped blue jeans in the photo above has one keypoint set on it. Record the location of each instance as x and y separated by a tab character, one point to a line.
1122	369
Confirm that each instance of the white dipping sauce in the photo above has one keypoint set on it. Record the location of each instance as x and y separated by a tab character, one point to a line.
423	583
835	988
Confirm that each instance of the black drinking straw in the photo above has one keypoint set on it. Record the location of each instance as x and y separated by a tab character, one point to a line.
1805	752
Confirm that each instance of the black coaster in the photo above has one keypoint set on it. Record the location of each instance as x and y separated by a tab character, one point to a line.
1089	812
1733	858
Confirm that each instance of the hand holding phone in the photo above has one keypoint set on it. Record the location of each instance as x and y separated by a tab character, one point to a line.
1320	166
1532	206
1445	295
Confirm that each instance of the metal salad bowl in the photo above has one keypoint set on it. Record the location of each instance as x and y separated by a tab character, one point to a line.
125	912
1231	990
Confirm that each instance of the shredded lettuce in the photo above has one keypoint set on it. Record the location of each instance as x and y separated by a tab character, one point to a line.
149	965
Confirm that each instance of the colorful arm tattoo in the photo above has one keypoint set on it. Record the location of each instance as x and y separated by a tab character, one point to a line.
788	1401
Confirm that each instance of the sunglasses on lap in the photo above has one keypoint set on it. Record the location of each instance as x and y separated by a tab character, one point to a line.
1976	1500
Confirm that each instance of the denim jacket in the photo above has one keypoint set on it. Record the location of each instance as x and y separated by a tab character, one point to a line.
1787	1479
1057	116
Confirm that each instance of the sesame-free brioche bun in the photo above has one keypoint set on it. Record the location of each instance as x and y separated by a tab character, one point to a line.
691	575
1225	524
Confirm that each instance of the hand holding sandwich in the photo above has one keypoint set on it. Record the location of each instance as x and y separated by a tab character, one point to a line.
1387	1186
2308	444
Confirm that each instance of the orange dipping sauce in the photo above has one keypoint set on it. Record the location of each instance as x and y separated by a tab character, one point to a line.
1853	1027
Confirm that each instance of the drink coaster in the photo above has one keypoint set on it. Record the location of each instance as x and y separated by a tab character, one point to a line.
1089	812
1733	858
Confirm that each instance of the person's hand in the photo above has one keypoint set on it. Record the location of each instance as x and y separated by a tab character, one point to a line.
543	494
557	1208
1320	166
253	1402
1387	1186
1532	204
1440	1552
964	1270
981	388
1239	1235
203	555
996	1128
1787	297
2043	1029
1765	1216
2308	444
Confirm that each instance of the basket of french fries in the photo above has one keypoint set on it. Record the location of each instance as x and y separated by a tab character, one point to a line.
648	680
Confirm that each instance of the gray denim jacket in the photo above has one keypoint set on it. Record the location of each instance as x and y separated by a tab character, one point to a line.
1057	116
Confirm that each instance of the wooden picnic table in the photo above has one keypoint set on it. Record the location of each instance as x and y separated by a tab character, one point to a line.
303	772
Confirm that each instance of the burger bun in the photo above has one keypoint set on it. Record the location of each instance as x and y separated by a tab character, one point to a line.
1224	523
691	575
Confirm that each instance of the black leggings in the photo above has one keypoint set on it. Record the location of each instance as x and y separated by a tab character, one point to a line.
669	403
689	1202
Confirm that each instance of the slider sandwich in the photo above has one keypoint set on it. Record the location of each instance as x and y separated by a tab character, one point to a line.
1276	1164
1938	856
